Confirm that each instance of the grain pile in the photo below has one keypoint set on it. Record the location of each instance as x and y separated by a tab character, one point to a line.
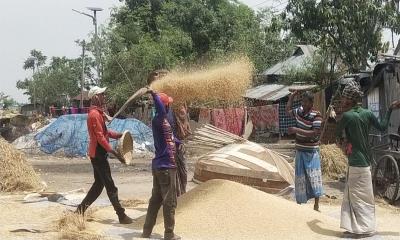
220	83
220	209
132	203
333	161
15	173
73	226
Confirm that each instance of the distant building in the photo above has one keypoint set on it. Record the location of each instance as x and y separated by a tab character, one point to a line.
29	109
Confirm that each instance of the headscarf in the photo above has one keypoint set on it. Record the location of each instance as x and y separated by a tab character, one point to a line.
352	91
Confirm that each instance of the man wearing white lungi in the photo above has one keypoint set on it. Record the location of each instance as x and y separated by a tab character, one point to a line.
358	207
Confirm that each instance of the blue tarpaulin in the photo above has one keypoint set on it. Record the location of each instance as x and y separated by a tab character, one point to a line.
69	132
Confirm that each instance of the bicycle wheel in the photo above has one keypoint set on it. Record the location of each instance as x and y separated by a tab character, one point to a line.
386	178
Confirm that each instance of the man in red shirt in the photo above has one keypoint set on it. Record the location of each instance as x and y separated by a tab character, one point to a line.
99	147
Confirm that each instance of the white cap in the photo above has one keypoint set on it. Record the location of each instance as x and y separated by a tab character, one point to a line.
96	90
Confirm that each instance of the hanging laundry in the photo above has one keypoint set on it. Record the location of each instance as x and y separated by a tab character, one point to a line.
218	118
265	117
230	119
234	118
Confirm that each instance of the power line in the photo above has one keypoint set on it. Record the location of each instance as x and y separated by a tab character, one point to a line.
261	3
272	7
282	3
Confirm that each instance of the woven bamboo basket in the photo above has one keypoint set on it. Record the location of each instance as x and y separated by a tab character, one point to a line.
125	147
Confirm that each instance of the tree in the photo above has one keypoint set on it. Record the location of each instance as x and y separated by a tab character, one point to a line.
35	60
316	70
349	29
56	81
6	101
145	35
273	45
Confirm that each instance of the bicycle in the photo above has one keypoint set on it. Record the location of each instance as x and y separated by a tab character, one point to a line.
386	179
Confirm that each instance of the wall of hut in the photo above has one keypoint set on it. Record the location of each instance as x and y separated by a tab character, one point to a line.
389	91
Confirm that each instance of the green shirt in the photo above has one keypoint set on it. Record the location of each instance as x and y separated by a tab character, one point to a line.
357	123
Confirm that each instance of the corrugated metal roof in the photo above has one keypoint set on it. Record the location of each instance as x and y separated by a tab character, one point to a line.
272	92
299	57
263	91
308	50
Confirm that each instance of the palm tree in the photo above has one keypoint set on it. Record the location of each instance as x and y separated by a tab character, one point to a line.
35	60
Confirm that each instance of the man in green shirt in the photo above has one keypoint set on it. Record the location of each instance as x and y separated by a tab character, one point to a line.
358	207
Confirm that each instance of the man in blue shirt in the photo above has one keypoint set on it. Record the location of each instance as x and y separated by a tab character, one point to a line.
179	121
164	170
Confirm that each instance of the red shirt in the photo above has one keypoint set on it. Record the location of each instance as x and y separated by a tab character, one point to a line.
98	133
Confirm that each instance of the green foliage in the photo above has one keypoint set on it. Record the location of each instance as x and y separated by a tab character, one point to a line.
316	70
55	82
272	46
6	101
35	60
147	35
9	102
350	29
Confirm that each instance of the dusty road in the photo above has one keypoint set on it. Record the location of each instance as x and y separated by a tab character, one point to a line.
134	182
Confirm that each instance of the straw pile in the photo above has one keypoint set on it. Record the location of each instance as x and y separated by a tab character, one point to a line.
15	173
73	226
333	161
220	209
210	138
222	83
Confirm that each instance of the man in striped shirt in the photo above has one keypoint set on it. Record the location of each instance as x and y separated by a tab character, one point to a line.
308	180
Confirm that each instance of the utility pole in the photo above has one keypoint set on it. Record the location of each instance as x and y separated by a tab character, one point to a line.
83	72
96	42
96	50
35	61
34	88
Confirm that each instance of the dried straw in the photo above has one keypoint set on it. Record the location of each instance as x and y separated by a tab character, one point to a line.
73	226
16	173
221	83
80	236
333	161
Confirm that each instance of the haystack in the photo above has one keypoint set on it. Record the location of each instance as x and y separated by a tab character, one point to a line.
220	83
16	173
333	161
220	209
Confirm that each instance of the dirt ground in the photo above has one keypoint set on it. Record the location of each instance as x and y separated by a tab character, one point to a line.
134	182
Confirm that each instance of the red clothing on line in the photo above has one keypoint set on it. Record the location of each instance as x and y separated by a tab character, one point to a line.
98	132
